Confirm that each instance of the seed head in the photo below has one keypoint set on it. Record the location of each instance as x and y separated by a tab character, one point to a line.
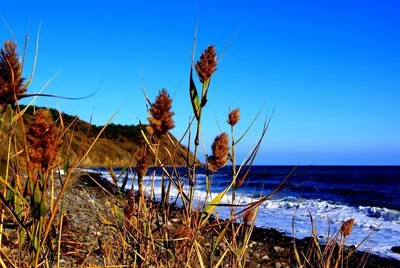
347	227
220	152
206	66
142	166
129	207
11	81
150	130
248	216
112	174
161	116
42	141
234	117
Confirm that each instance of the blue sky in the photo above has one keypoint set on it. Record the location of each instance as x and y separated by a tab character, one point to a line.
330	69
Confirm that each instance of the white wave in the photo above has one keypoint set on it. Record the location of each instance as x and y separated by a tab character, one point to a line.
382	213
382	223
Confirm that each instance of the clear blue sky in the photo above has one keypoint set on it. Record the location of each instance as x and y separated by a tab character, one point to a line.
330	69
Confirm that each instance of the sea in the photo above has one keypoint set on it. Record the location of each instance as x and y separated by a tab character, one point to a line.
331	194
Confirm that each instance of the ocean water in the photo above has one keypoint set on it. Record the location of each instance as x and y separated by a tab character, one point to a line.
333	194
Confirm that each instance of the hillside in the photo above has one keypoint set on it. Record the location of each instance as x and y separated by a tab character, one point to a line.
118	145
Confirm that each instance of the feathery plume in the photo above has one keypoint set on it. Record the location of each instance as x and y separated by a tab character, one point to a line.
234	117
129	207
248	216
220	152
347	227
161	116
112	174
42	141
150	130
141	170
142	166
206	66
11	81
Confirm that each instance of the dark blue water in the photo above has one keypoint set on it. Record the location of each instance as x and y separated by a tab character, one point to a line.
354	185
377	186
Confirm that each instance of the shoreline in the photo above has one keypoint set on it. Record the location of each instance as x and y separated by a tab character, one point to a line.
267	246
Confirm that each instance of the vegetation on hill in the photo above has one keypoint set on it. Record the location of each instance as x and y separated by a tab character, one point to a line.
118	145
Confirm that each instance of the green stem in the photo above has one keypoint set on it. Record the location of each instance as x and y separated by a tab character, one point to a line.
233	159
155	165
37	241
233	156
192	181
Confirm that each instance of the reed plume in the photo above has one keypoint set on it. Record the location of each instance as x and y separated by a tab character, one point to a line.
220	152
150	130
248	216
161	116
11	82
129	207
233	117
112	174
206	66
141	170
42	141
347	227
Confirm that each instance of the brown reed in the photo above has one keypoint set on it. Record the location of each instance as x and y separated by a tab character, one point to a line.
112	174
11	81
141	170
42	141
161	116
206	66
142	166
150	130
233	117
129	207
248	216
220	152
347	227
